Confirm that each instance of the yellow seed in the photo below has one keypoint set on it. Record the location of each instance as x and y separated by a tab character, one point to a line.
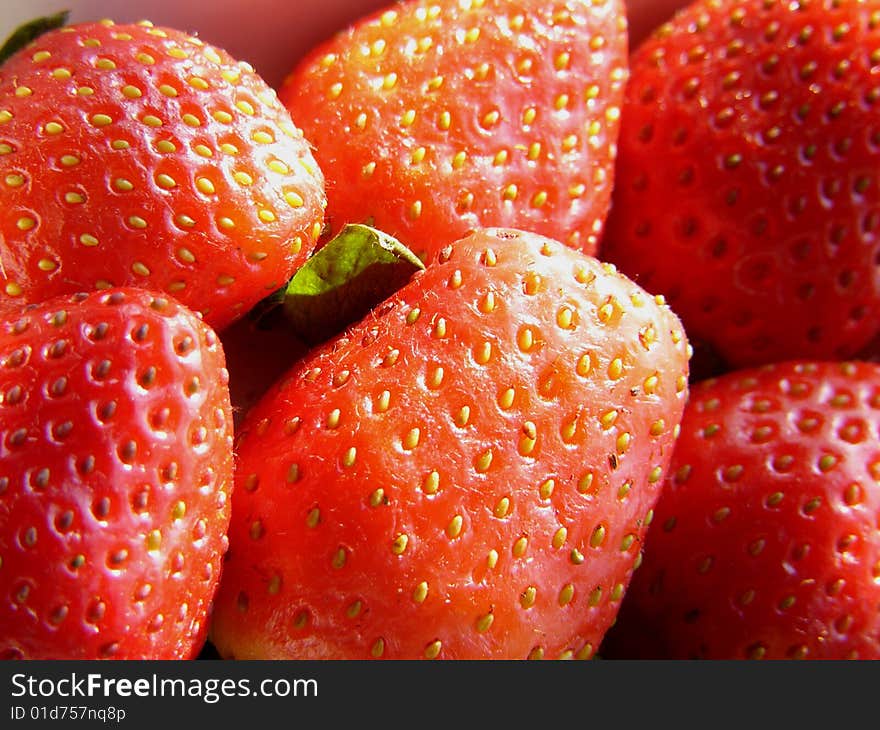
145	58
245	107
432	650
520	546
313	518
598	536
492	559
411	440
101	120
398	546
53	128
25	223
378	648
123	185
463	416
62	74
444	121
185	255
505	401
584	365
502	508
243	178
278	166
47	265
73	198
484	461
431	483
566	594
615	369
420	593
165	181
136	221
294	199
205	186
262	137
265	215
484	623
40	56
527	597
623	442
140	269
453	529
86	239
14	180
198	83
339	559
608	418
154	540
559	538
13	289
546	489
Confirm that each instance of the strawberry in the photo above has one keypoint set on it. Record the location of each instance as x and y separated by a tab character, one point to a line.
115	473
766	541
431	119
141	156
465	473
747	190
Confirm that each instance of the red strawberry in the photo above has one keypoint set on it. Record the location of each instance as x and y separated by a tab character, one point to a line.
466	473
747	186
115	469
431	119
138	155
766	542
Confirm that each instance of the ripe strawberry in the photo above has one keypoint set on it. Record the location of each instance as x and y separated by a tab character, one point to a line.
466	473
431	119
766	540
138	155
115	469
747	186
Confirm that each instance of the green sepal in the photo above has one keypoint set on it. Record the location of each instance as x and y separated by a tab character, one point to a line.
345	279
30	31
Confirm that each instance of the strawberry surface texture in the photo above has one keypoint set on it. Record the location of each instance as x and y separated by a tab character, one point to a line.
142	156
765	542
431	119
466	473
746	187
115	472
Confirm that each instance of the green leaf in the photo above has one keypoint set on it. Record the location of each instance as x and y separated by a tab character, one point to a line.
345	279
31	30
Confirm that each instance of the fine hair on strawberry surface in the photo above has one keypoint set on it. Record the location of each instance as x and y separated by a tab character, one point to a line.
466	473
430	119
115	473
139	155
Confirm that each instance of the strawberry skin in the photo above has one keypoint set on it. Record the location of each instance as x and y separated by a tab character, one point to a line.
138	155
115	473
431	119
765	542
747	185
466	473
